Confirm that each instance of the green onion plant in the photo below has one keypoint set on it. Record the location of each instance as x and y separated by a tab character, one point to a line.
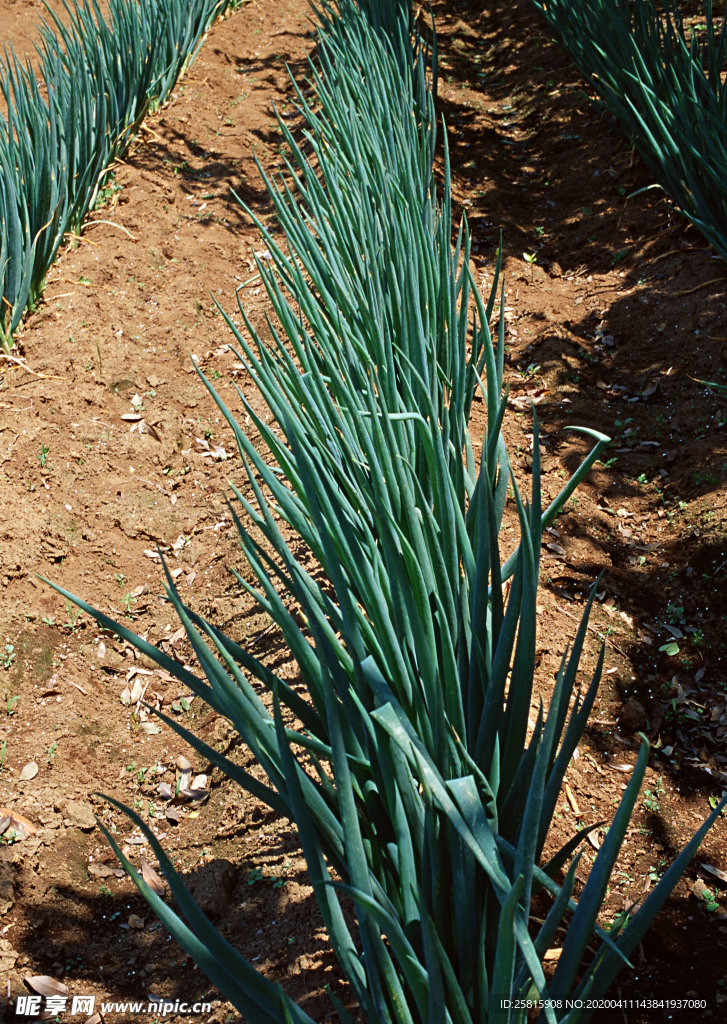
69	112
666	85
419	769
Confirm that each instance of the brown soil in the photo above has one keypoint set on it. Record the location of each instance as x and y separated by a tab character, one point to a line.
611	327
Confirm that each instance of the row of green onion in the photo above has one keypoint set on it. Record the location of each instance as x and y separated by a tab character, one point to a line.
666	83
70	110
421	782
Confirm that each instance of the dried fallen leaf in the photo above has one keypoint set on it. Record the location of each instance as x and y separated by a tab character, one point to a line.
104	871
146	428
182	763
15	821
29	772
46	986
152	879
136	922
717	872
674	630
193	794
137	691
136	670
212	451
176	636
573	802
593	839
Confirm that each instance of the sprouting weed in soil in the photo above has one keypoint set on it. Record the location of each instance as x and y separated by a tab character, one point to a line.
104	891
530	258
651	799
48	620
10	708
43	455
255	875
128	600
73	616
675	613
119	577
671	649
51	754
8	656
10	835
2	754
139	772
650	803
656	870
710	900
282	879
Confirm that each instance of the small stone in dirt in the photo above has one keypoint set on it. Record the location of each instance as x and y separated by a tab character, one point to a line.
8	956
7	890
633	716
112	661
79	813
